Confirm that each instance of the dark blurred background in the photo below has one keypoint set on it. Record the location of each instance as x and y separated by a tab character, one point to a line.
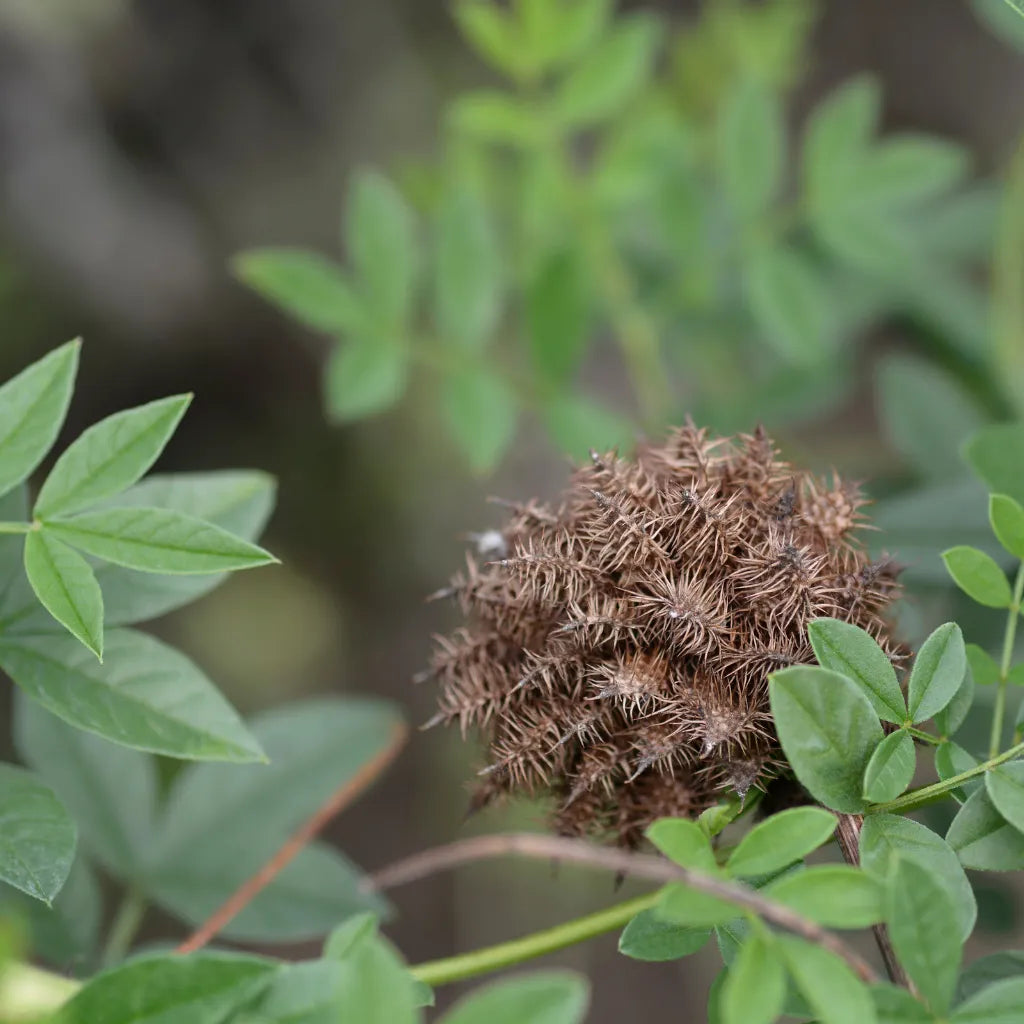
144	142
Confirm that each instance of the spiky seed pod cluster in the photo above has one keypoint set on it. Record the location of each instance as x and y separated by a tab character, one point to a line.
618	644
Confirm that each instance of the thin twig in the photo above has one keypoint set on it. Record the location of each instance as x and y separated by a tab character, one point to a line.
640	865
848	837
334	804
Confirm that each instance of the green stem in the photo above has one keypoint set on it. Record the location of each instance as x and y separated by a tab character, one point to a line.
925	737
929	794
16	527
505	954
126	924
1009	637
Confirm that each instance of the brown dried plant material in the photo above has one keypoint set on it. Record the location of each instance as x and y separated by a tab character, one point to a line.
618	645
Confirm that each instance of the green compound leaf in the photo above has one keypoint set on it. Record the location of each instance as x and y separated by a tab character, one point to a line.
66	586
312	289
755	987
828	730
854	653
109	457
983	839
37	838
157	540
922	924
541	997
937	673
32	409
978	575
145	695
780	840
647	937
1007	519
1005	786
890	769
884	837
203	988
834	895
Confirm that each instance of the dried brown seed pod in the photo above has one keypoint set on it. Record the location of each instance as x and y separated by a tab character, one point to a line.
617	646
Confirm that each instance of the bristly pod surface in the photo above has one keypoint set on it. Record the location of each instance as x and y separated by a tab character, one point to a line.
617	645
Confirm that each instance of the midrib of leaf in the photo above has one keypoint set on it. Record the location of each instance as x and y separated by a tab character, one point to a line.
69	526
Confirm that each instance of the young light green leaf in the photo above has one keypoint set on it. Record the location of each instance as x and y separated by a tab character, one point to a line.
922	925
37	838
751	146
494	36
110	456
755	987
66	586
1005	785
381	243
203	988
683	842
937	673
157	540
828	731
32	409
312	289
480	410
854	653
610	74
890	769
576	27
951	760
365	375
978	576
832	990
110	791
467	280
1000	1003
996	454
834	895
983	839
780	840
884	837
497	117
647	937
540	997
557	314
983	666
790	304
144	695
1007	519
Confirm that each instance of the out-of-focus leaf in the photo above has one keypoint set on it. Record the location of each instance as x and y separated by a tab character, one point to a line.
647	937
996	454
480	410
751	146
557	315
1007	519
983	839
755	987
365	375
494	35
578	424
493	116
540	997
978	575
833	991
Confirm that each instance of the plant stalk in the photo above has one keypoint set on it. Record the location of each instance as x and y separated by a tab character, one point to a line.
125	927
1009	637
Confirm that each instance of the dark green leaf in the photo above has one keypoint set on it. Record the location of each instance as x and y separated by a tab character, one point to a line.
1007	519
978	576
66	586
145	695
109	790
996	454
610	74
790	303
982	838
751	146
647	937
937	673
157	540
32	409
467	282
755	987
541	997
890	769
884	837
1000	1003
1005	785
922	925
37	838
380	241
780	840
557	314
204	988
833	991
981	973
854	653
828	731
480	410
834	895
365	375
312	289
109	457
